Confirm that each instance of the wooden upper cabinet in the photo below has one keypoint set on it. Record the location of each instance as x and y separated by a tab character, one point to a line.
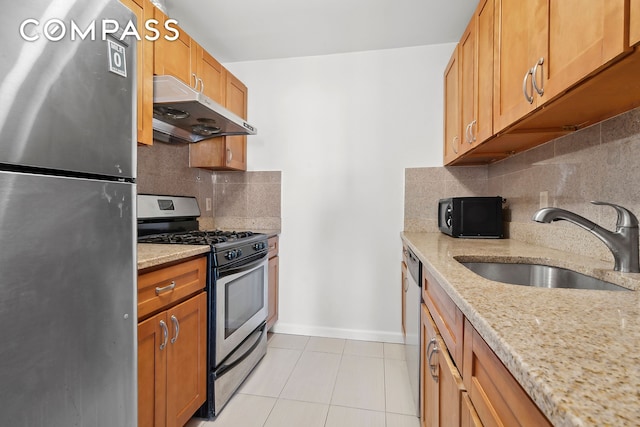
476	78
519	41
227	152
236	96
467	70
212	75
634	22
175	58
580	41
483	98
452	120
143	10
544	47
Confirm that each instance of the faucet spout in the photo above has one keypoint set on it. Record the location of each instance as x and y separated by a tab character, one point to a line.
623	242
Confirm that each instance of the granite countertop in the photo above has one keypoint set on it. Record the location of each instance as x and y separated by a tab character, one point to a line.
575	352
152	254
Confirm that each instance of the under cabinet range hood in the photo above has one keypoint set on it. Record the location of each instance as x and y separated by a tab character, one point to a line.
182	114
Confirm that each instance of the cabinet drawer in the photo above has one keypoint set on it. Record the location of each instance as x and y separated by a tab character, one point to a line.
446	315
496	395
162	287
273	246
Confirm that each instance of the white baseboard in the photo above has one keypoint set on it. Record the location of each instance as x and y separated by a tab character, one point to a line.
352	334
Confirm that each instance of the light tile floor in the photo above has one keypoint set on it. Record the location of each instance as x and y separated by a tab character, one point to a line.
323	382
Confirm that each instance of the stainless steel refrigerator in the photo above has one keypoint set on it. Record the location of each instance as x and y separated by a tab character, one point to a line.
67	216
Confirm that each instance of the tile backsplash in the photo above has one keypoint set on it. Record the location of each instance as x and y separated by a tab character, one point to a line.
596	163
239	200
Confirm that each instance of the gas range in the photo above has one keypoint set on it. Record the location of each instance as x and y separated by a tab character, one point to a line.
237	290
173	220
228	247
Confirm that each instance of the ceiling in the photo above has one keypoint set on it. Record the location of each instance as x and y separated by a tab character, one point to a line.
248	30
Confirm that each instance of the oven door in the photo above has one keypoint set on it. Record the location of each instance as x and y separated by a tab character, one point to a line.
240	305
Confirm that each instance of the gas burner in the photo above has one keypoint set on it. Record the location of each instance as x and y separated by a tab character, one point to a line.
197	237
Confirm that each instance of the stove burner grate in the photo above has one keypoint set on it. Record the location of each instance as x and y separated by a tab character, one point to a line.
196	237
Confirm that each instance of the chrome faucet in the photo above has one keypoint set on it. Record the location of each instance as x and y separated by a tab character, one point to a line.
623	243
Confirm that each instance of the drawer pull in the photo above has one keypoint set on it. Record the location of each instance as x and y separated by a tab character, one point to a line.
169	287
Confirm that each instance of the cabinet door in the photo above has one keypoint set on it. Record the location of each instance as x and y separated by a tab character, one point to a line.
403	289
152	381
175	58
186	359
467	70
442	384
452	120
468	415
429	400
634	22
497	397
272	316
212	74
143	10
236	102
520	35
483	83
227	152
581	39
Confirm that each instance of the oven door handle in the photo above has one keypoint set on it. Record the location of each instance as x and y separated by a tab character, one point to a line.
242	268
226	367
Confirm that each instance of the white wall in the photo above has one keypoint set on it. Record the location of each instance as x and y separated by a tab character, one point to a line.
342	129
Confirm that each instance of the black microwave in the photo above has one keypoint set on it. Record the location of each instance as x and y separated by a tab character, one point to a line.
471	217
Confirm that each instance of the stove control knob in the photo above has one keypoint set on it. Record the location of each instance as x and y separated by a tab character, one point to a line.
230	255
239	252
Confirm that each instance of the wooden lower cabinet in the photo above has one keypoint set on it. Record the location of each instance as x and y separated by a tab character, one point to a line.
274	274
403	290
497	397
473	390
172	364
468	415
442	384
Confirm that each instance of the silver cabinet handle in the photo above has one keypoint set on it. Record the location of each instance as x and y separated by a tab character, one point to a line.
472	135
524	87
433	368
454	144
166	288
176	328
195	81
165	333
406	284
534	71
201	85
229	155
467	133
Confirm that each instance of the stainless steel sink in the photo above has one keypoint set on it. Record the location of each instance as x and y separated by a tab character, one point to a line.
539	275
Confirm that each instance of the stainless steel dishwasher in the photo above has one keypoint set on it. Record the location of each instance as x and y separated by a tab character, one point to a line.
412	319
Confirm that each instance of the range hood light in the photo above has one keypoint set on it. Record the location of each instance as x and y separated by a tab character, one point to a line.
207	121
204	130
170	113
